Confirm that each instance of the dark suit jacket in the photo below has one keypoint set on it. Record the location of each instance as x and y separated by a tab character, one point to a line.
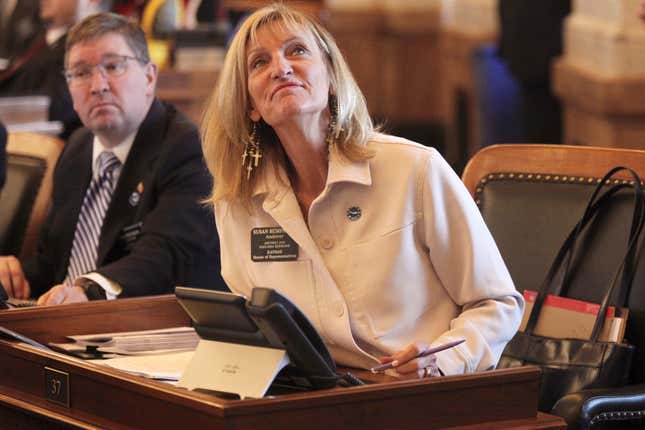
159	192
531	36
43	75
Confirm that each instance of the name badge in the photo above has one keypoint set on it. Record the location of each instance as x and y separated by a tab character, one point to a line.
272	244
130	234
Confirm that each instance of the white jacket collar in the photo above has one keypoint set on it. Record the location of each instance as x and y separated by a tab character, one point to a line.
275	182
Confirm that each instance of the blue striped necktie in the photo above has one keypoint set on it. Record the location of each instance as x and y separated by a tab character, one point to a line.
88	227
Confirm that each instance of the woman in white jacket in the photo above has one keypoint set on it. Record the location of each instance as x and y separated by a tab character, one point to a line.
373	237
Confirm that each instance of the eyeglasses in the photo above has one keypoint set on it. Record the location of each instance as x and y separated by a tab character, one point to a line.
110	67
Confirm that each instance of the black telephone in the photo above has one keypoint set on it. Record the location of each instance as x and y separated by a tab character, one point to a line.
3	297
268	319
7	303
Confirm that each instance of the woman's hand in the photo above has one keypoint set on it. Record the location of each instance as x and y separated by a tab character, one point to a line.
409	365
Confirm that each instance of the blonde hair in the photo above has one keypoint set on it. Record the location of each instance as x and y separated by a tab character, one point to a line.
226	126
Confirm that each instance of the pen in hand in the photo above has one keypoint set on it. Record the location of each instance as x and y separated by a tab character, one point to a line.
442	347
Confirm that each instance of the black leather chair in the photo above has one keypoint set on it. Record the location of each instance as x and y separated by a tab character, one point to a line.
25	196
530	197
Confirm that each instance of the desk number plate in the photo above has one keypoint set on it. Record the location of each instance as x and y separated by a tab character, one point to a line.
57	386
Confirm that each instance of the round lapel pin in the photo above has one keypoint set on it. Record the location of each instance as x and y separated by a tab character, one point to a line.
134	198
354	213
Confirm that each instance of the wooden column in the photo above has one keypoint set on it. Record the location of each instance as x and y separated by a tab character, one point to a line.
600	110
601	76
410	65
359	35
394	56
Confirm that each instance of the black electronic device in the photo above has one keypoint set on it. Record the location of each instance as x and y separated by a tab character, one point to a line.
268	319
3	297
7	303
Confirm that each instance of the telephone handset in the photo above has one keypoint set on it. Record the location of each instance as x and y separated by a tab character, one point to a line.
286	327
268	319
7	302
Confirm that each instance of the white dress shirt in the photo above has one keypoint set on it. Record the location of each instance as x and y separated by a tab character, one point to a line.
121	151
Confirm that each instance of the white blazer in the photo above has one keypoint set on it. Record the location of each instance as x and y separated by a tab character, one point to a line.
418	264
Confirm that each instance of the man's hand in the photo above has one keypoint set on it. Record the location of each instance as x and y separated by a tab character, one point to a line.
60	294
13	278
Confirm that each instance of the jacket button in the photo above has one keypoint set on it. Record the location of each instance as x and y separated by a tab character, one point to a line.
326	243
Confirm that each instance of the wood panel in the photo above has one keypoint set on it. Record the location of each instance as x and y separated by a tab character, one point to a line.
188	91
311	6
410	66
359	35
53	323
394	56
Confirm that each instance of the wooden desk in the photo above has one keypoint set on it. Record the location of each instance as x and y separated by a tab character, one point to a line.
105	398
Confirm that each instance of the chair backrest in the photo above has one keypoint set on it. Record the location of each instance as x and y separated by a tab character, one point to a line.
531	196
25	198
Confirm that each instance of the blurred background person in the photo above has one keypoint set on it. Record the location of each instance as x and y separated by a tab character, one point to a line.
530	38
126	217
20	25
38	71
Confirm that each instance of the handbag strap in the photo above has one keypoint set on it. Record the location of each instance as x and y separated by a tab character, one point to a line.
596	202
593	207
627	268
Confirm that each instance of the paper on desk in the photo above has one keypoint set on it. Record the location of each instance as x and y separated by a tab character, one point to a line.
159	366
100	338
159	341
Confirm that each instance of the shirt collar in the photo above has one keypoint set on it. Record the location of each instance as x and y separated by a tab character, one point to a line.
340	170
343	170
121	150
53	34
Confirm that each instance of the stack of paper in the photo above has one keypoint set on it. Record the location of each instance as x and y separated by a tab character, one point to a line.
167	367
135	342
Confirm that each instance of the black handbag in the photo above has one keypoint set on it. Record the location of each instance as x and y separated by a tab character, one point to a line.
570	365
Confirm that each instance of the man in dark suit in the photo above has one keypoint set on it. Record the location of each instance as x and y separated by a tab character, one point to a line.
126	218
37	70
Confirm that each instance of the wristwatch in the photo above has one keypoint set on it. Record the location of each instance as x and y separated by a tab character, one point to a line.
93	291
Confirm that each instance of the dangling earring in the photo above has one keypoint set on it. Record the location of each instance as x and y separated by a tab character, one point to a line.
333	120
252	150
